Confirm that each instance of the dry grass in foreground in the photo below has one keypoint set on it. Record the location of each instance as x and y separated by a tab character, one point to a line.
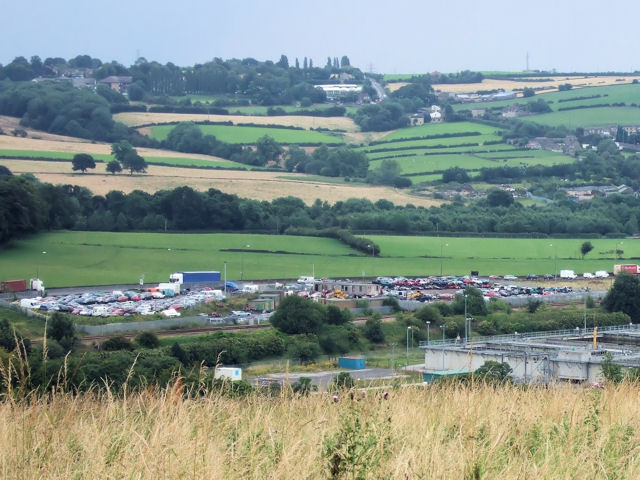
448	432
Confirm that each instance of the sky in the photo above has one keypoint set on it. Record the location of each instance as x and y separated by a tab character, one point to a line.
399	36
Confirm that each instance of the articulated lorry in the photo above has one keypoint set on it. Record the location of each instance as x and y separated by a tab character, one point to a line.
195	278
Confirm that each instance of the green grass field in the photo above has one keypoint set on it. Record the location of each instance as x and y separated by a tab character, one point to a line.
588	117
626	93
449	142
249	135
98	157
439	129
169	161
100	258
437	163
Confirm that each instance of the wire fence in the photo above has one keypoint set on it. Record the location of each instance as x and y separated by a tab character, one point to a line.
514	337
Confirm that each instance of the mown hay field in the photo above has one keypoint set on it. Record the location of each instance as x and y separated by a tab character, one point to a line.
510	85
134	119
437	432
250	135
10	143
256	185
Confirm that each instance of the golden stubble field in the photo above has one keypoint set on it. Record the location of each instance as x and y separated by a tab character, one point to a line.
438	432
250	184
510	85
74	145
133	119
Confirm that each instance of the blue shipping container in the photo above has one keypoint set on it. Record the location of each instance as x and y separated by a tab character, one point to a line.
200	277
353	363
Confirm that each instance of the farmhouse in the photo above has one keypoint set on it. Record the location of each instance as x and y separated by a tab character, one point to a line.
416	119
118	83
568	145
603	131
512	111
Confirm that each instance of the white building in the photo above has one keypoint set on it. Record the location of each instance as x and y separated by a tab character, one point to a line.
340	89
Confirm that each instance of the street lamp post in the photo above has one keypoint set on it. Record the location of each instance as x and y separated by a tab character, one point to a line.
38	266
443	328
408	328
441	251
555	272
618	251
428	328
242	262
466	332
584	316
225	279
393	357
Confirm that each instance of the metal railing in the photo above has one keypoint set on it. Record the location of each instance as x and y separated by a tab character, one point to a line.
514	337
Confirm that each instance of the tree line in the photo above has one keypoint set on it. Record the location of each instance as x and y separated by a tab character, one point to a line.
30	206
258	82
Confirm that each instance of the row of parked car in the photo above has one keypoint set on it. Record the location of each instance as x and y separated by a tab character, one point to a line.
422	289
122	303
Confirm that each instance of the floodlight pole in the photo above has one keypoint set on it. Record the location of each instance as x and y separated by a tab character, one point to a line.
443	328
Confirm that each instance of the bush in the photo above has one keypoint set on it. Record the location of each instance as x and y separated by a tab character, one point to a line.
373	329
304	347
428	313
533	305
148	340
116	343
343	381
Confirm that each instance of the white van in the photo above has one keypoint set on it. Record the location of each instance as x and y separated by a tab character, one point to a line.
305	279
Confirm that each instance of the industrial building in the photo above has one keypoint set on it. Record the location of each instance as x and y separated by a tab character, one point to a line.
538	357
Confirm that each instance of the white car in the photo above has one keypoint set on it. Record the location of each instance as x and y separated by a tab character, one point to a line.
588	275
602	274
240	313
510	277
170	312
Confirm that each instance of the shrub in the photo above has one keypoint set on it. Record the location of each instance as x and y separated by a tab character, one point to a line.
148	340
117	343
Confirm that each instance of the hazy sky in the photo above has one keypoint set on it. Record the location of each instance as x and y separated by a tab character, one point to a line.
391	36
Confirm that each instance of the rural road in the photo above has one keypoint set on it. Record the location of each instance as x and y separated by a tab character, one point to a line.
379	90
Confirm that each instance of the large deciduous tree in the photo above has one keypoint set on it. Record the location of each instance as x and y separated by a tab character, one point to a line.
585	248
298	315
82	162
624	296
114	167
